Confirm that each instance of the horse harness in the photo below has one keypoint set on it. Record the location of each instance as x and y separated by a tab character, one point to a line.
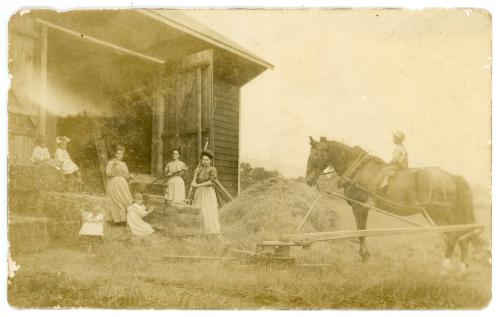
362	159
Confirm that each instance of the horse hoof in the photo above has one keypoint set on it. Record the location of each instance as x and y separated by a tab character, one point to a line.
365	257
462	270
445	267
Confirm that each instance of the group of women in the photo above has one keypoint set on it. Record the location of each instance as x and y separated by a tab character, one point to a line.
205	199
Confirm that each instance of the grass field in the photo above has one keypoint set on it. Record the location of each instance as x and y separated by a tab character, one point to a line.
125	272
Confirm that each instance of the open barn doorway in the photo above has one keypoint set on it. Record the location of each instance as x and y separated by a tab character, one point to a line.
99	98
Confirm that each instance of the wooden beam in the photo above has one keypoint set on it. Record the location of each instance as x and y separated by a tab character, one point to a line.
199	119
100	42
42	127
158	128
307	238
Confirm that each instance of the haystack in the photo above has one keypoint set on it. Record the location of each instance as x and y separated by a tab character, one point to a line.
27	181
272	207
63	211
27	234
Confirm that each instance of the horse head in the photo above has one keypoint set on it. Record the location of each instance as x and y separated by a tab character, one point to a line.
318	160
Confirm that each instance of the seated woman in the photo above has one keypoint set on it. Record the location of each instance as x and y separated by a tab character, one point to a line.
176	189
40	153
204	197
135	213
65	164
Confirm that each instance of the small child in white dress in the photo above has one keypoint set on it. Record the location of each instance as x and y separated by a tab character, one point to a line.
135	213
40	152
92	229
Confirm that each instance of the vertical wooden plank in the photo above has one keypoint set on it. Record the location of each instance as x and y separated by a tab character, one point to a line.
239	140
199	109
158	127
210	106
43	82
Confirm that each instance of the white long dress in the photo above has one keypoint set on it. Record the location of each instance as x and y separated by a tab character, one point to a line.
206	200
139	227
66	164
176	187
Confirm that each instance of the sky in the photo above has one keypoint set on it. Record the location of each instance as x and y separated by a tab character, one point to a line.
356	75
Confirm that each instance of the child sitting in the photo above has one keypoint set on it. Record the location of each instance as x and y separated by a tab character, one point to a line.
135	213
40	152
92	229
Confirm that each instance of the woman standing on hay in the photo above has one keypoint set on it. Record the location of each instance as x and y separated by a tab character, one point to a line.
174	170
204	197
117	188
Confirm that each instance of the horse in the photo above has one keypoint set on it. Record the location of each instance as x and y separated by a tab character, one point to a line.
443	198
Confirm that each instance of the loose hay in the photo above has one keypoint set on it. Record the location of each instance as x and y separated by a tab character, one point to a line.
272	207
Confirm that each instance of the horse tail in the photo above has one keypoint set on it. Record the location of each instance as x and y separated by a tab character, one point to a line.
464	203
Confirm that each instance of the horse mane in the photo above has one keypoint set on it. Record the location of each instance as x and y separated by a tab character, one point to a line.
354	151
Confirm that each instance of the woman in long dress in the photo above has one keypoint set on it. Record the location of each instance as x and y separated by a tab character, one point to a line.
176	189
204	197
117	188
63	159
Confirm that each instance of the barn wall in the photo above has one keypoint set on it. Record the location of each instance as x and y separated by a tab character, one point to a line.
23	110
226	133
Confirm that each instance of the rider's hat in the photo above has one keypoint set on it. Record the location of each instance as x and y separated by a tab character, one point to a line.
399	134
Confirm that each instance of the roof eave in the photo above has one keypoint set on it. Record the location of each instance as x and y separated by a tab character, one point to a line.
205	37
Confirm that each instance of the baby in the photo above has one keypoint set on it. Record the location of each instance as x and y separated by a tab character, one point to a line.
135	213
92	229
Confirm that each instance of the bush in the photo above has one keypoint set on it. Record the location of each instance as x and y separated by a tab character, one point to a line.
250	175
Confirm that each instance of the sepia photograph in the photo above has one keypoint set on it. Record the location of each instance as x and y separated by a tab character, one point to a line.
249	158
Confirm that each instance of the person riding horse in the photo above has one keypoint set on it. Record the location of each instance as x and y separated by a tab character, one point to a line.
399	159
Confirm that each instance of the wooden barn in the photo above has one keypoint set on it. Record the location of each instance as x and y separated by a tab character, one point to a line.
97	61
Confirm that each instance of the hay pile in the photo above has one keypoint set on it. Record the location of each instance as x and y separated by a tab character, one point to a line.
63	212
27	234
272	207
26	182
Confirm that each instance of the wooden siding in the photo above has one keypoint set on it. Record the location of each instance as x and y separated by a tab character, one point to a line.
190	83
226	134
23	112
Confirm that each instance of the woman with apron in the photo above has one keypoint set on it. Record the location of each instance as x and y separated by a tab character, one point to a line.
174	169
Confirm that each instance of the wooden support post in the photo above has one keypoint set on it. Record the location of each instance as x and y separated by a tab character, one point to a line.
158	129
42	123
199	120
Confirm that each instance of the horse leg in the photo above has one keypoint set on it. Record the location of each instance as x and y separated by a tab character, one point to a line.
361	216
464	254
450	248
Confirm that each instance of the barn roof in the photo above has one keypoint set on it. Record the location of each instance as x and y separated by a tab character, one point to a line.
185	23
158	35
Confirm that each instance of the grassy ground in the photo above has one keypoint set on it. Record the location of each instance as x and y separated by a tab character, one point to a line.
125	272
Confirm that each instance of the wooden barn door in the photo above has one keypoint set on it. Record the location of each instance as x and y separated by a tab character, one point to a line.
188	114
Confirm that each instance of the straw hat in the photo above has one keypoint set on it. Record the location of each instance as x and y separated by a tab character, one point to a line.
399	134
207	153
62	139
